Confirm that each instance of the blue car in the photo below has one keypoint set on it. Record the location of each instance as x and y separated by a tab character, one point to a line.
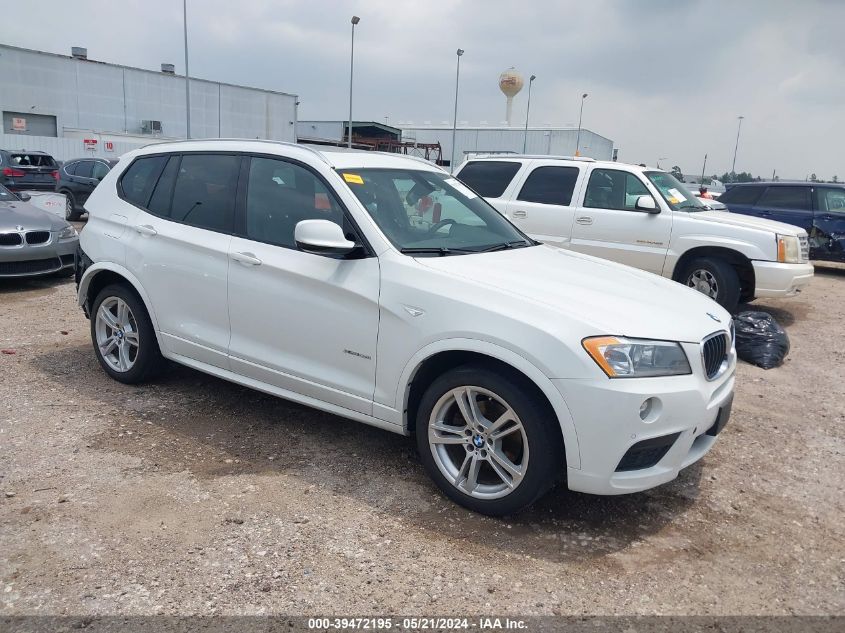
818	208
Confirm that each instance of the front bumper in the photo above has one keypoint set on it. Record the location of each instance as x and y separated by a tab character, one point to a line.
773	279
621	453
28	260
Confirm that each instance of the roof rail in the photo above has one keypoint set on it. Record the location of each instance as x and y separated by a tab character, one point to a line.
584	159
317	153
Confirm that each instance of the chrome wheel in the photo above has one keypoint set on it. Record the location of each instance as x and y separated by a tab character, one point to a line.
478	442
704	281
117	334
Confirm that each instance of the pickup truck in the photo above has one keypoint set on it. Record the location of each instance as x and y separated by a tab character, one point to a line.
645	218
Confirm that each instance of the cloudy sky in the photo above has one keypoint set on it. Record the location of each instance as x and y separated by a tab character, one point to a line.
666	78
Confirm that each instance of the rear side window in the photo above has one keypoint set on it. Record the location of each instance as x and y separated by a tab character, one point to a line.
84	168
741	195
162	195
204	195
550	185
137	183
489	178
100	170
786	198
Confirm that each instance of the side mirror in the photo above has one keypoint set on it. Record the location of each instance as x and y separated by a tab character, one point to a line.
322	237
24	197
647	204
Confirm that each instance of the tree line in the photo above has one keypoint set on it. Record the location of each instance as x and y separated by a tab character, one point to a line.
743	176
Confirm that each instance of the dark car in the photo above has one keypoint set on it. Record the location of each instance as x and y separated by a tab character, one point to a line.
78	178
22	169
818	208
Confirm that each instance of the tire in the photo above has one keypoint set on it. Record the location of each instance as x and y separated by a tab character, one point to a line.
468	468
126	362
715	278
71	213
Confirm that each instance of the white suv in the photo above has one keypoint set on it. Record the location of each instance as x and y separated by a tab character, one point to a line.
377	287
645	218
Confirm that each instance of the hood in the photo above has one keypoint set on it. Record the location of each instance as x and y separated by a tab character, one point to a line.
606	297
15	213
747	221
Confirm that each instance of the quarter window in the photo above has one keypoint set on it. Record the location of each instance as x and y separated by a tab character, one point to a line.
785	198
489	178
280	195
160	201
138	181
614	189
204	195
550	185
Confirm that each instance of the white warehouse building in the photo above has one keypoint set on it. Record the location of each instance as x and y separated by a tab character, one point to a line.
58	101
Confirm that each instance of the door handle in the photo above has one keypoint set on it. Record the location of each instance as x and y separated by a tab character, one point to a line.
146	229
584	219
248	259
520	214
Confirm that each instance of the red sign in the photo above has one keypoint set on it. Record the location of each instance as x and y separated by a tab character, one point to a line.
108	146
90	143
19	124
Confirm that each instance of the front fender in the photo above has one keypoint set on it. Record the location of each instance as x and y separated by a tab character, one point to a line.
567	426
685	243
95	269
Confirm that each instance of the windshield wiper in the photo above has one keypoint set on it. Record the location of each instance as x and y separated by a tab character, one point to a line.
505	245
434	250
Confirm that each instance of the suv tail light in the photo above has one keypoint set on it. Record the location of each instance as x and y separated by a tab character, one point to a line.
13	173
56	175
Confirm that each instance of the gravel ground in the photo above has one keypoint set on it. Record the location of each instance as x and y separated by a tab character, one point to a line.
193	495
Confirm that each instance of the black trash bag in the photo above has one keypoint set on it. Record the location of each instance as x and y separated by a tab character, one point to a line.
760	340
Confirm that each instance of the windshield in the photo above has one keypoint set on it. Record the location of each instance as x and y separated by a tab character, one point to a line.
674	192
431	213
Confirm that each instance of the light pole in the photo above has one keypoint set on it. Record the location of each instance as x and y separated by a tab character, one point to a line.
580	114
738	128
527	112
187	75
459	52
355	20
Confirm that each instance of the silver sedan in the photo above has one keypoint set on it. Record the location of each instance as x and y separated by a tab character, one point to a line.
32	241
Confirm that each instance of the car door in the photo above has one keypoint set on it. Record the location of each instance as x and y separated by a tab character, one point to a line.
827	235
82	180
608	224
790	204
301	322
177	245
543	206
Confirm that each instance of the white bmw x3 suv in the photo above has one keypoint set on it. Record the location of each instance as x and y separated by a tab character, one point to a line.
377	287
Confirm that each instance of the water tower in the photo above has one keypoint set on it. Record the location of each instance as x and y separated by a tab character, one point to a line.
510	82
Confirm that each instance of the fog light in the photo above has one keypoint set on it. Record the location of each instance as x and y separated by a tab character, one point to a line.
645	409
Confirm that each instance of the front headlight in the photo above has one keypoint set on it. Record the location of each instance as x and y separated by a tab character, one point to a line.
789	249
67	233
637	358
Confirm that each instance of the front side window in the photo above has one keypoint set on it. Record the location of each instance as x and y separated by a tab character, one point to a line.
431	213
550	185
280	195
674	192
785	198
614	189
204	195
490	178
832	200
100	170
136	184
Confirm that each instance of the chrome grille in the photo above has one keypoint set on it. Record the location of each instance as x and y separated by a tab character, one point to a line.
805	248
10	239
714	352
37	237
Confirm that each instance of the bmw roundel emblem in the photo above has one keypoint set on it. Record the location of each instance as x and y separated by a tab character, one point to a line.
478	441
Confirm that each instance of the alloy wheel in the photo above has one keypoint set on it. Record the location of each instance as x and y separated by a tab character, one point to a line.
705	282
117	334
478	442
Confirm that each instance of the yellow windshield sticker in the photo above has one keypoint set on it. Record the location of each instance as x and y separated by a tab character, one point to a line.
353	178
674	201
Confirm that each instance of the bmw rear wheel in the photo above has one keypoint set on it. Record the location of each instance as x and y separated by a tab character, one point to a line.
490	442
